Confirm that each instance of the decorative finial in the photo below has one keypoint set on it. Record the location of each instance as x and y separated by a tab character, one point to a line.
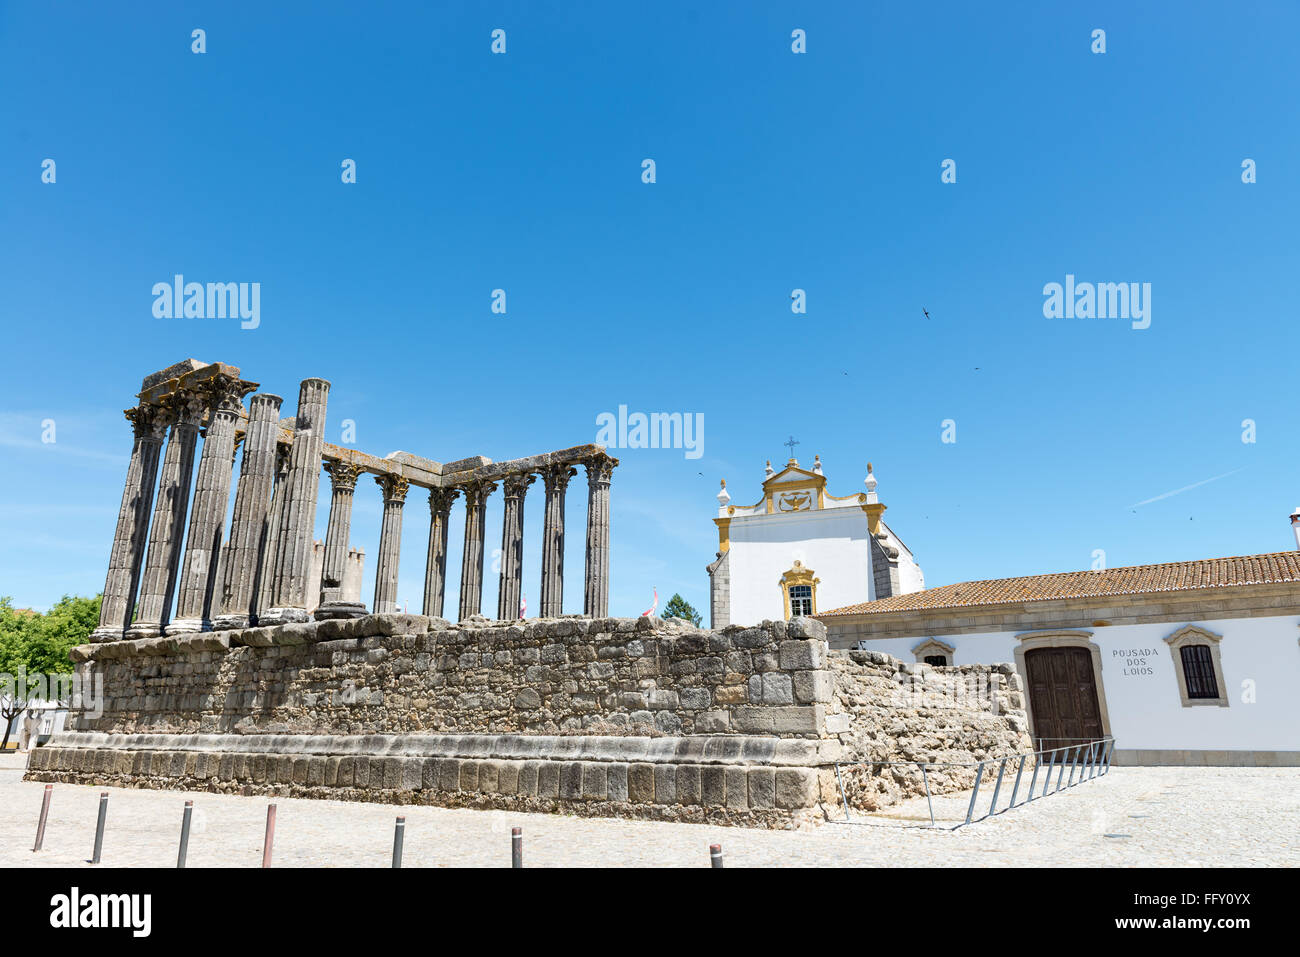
817	464
723	495
870	481
769	468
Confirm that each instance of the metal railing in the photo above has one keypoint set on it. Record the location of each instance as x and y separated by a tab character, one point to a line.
1090	759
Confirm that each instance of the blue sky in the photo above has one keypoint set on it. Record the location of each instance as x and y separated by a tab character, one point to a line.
775	171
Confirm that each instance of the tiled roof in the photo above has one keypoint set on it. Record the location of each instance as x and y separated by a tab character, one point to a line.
1132	580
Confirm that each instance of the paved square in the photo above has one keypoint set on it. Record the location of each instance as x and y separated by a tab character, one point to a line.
1168	817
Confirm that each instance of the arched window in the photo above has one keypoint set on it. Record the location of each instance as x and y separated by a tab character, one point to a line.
934	652
799	591
1198	667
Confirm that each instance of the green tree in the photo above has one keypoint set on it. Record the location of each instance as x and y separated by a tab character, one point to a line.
34	644
679	607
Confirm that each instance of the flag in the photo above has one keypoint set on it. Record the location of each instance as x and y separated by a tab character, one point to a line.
645	614
523	604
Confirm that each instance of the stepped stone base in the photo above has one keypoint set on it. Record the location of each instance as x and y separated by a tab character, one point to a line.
731	779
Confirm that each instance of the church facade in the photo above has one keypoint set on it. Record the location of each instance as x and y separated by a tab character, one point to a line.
800	549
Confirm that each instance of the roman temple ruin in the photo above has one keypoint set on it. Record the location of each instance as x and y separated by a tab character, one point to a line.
215	677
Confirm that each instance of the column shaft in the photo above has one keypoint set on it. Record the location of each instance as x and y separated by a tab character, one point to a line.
343	484
252	502
596	585
471	571
269	537
293	548
150	426
208	510
162	562
435	569
390	542
512	546
556	479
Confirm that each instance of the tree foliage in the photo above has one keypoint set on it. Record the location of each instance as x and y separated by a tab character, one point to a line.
679	607
33	644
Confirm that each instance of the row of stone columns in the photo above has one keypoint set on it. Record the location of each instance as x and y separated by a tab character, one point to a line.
261	574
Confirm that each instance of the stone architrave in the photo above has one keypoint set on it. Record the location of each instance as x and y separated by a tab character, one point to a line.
270	534
288	602
208	510
596	585
252	502
512	546
343	485
149	423
390	542
556	479
435	569
471	571
166	533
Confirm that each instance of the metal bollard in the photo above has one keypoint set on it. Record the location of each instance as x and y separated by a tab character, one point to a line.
399	833
185	834
45	813
99	826
516	847
270	835
715	855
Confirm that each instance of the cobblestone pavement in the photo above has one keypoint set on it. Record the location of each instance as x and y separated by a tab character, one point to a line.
1162	817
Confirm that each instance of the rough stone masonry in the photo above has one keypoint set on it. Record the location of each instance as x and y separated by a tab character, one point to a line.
610	717
245	692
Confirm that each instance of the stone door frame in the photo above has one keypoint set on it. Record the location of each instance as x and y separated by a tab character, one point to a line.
1032	640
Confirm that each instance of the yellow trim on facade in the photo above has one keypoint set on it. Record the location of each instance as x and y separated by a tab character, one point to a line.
874	512
724	534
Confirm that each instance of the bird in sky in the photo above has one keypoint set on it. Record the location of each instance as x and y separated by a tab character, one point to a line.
927	314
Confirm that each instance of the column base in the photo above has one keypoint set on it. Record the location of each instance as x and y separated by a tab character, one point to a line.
340	609
107	634
230	622
283	616
184	626
144	629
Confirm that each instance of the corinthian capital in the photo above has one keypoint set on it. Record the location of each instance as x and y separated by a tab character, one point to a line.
188	407
224	393
149	422
476	493
343	475
440	500
600	467
556	477
516	485
395	487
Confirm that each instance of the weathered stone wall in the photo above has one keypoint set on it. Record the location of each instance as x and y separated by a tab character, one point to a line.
403	674
613	717
886	710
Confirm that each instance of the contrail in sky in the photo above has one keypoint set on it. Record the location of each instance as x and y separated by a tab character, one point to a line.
1185	488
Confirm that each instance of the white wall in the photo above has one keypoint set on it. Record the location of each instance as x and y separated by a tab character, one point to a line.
1260	656
831	542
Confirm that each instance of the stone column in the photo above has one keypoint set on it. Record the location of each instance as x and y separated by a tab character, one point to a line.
390	542
556	479
435	570
208	511
294	545
162	563
595	600
270	535
343	483
252	502
471	569
149	422
512	546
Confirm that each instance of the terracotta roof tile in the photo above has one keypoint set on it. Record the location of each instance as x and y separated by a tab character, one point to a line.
1131	580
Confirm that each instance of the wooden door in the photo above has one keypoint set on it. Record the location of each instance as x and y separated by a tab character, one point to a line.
1063	696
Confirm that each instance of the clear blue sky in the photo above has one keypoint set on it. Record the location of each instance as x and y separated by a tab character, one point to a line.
775	171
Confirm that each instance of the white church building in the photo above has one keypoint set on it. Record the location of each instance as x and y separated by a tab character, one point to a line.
800	549
1182	663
